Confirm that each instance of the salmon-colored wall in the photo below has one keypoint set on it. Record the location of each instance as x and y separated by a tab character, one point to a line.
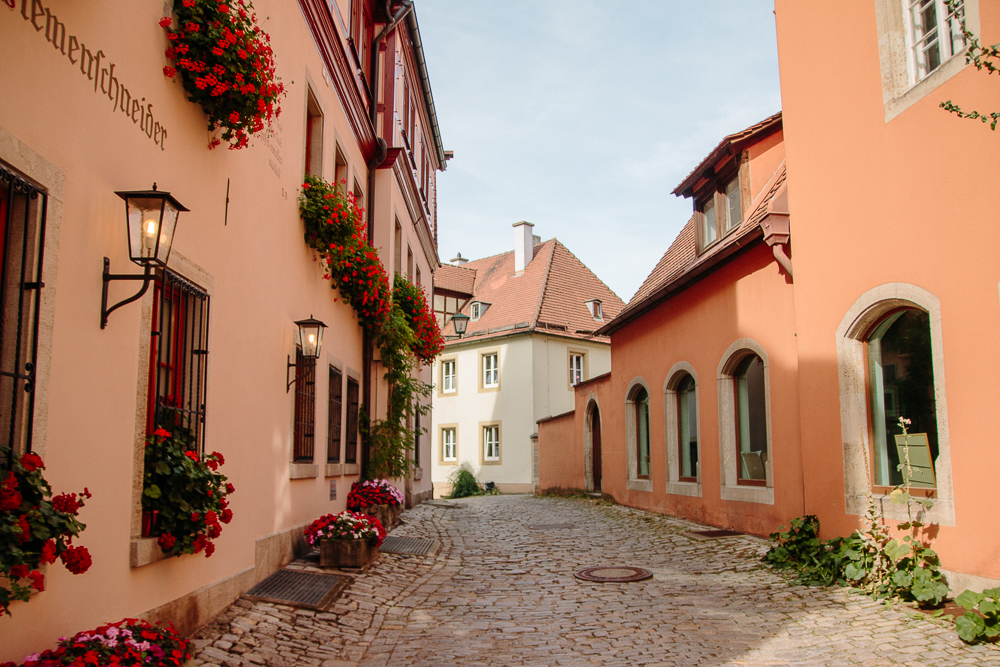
747	298
912	200
262	276
560	454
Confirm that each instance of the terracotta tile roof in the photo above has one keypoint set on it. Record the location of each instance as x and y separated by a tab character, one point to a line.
764	127
455	278
682	256
549	296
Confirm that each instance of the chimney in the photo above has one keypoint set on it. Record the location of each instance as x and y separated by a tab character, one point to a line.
459	260
523	246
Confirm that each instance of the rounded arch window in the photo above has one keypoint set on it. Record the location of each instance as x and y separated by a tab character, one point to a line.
640	403
901	385
751	421
687	428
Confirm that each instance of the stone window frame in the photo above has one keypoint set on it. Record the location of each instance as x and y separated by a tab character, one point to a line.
441	459
483	461
730	488
855	432
634	482
671	429
584	365
897	92
481	371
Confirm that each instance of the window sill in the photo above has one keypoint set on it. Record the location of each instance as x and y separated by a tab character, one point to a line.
691	489
352	469
942	511
334	470
922	88
748	494
145	551
640	485
303	470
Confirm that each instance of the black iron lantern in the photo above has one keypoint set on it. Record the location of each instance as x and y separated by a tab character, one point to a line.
460	322
311	341
151	220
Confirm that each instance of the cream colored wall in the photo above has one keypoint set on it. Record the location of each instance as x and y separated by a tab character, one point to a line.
263	278
550	356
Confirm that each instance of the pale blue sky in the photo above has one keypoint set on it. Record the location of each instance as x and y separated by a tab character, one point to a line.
581	116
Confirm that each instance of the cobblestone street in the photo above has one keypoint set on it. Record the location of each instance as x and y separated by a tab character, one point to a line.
499	593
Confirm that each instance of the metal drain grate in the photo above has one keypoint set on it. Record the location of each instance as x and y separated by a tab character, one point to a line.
714	533
299	589
550	526
416	546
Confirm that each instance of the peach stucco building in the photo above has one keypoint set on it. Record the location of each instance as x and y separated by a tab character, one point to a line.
238	261
772	378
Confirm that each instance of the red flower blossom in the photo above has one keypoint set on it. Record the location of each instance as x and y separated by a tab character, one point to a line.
209	549
31	462
48	552
191	455
230	488
22	524
195	516
227	515
163	433
170	73
10	499
76	559
222	460
165	21
166	541
37	580
67	503
211	517
19	571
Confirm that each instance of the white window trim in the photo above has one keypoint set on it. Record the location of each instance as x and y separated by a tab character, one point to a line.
731	489
495	369
445	376
445	444
498	459
674	484
631	433
573	356
855	434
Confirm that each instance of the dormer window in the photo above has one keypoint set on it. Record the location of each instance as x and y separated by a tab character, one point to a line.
594	306
719	209
477	309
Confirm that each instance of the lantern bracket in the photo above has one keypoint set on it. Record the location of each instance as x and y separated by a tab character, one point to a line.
145	277
288	387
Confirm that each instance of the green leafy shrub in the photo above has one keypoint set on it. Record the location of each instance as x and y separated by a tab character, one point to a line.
463	482
981	621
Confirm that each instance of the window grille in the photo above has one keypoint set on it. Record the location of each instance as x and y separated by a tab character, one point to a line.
351	455
305	407
178	358
333	432
23	208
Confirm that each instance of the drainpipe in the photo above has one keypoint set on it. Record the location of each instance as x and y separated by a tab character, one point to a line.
381	149
776	226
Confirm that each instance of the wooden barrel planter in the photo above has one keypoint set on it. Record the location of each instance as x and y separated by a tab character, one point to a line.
346	553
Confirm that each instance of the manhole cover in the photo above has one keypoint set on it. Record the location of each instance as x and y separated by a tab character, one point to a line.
299	589
550	526
416	546
714	533
612	573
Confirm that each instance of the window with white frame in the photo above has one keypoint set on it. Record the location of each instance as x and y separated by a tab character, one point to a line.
491	443
448	376
491	370
476	311
719	210
575	368
933	35
449	445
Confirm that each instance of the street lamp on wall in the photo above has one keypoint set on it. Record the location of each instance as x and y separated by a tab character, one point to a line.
311	341
150	220
460	322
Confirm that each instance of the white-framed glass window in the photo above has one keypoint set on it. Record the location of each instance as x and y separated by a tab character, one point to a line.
448	376
491	443
575	369
708	231
598	314
449	445
491	370
476	311
933	35
734	214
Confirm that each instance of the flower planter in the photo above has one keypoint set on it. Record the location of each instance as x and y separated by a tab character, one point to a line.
388	515
346	553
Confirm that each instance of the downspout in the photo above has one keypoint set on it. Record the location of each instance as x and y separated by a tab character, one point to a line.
776	226
381	149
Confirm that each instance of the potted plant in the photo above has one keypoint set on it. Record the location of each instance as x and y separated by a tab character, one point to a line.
347	539
378	498
183	492
36	528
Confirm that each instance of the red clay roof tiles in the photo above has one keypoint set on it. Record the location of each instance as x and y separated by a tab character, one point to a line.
455	278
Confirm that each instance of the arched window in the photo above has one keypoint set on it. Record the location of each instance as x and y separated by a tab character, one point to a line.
687	429
751	421
641	406
901	385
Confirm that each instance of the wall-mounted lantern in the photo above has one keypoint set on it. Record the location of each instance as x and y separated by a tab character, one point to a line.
150	220
311	341
460	322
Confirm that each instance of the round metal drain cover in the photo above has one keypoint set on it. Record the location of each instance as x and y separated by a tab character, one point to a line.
613	573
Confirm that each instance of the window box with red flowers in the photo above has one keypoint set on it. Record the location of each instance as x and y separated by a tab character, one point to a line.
348	539
226	65
185	493
36	528
128	643
378	498
428	341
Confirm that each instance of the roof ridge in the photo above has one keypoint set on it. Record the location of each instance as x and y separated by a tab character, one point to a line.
506	252
545	285
456	266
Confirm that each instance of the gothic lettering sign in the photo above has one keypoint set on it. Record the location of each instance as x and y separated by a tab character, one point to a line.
94	65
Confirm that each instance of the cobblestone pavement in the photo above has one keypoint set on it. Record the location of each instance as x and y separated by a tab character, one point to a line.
499	593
